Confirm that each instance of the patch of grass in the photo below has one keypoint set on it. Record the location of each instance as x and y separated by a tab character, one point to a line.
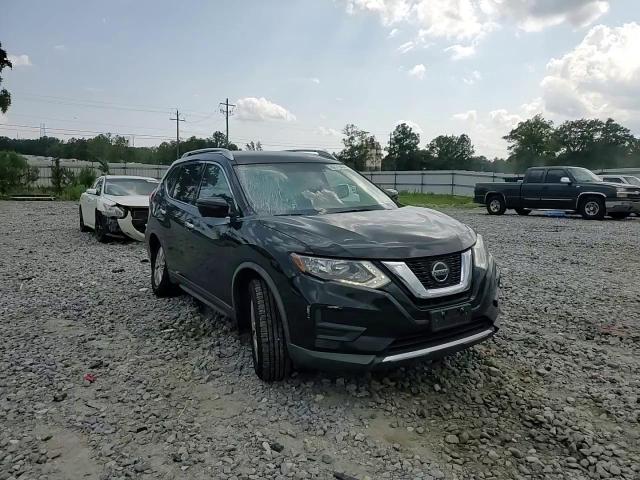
436	200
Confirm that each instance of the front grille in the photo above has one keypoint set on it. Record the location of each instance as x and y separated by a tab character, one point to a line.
428	338
422	268
139	217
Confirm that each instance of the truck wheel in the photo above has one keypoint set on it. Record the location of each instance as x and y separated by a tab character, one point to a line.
83	227
619	215
160	282
100	229
496	205
592	208
523	211
268	343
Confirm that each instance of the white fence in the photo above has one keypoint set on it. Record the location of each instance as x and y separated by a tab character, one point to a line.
447	182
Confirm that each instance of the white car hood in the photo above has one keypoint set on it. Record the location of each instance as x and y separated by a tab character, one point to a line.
128	200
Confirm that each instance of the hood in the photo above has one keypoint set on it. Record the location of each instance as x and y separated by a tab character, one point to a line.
129	200
401	233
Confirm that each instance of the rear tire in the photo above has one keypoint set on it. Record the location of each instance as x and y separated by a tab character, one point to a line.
523	211
160	282
619	215
268	342
83	227
592	208
100	229
496	205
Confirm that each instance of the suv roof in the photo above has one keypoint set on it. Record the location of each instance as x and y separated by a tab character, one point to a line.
252	157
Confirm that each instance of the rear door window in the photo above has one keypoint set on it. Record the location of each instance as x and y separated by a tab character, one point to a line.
535	176
554	175
184	187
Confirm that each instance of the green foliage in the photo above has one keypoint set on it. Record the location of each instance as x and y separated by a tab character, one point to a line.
402	152
15	172
447	150
359	147
61	177
86	176
532	142
435	200
5	96
254	147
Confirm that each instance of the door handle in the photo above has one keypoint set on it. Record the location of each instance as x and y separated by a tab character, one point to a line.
189	225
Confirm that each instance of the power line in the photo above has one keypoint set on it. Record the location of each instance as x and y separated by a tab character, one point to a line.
226	111
177	120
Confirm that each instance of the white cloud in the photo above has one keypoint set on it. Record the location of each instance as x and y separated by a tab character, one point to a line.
458	52
417	71
534	107
472	78
414	126
406	47
59	48
468	116
315	80
503	119
470	20
328	132
393	32
20	60
261	109
600	77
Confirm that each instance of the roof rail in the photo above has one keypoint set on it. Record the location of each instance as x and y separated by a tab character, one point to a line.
321	153
224	151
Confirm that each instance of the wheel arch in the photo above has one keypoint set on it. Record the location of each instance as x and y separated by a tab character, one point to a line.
246	272
492	193
588	194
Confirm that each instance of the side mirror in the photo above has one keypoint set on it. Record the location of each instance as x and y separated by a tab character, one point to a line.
214	207
392	192
91	191
566	180
342	190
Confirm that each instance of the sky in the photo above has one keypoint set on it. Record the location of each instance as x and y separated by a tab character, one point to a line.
299	70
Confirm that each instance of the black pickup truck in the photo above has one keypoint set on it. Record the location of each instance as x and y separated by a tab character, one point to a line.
572	189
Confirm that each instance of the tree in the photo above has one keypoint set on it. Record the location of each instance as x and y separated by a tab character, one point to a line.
5	96
218	140
402	150
531	142
251	146
450	152
15	172
360	148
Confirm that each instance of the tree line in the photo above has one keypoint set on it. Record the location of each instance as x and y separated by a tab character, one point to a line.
590	143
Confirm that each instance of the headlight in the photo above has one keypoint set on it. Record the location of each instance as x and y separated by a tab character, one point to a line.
622	192
480	254
351	272
113	211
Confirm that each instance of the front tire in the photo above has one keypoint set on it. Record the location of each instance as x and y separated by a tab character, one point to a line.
160	282
83	227
496	205
268	343
100	229
592	208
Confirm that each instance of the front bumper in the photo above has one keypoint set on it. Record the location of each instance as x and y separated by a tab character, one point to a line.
360	329
130	226
623	206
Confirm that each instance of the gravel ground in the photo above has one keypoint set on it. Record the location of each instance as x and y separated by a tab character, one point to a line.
555	395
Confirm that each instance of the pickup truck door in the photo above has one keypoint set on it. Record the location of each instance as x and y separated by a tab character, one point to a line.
556	194
531	188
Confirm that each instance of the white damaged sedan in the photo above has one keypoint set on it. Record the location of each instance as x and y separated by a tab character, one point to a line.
117	205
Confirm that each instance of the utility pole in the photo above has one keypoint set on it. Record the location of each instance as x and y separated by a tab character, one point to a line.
177	120
226	109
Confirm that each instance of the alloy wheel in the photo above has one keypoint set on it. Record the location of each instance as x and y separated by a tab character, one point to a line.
158	267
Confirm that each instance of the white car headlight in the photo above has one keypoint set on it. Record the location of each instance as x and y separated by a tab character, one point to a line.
351	272
113	211
480	254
